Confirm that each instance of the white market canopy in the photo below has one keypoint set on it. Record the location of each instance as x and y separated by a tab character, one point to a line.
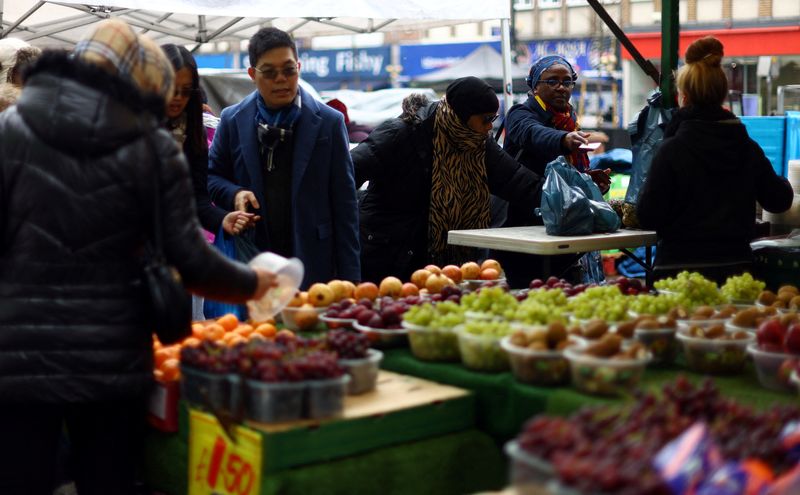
210	20
201	21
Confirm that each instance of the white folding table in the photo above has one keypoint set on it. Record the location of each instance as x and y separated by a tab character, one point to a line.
534	240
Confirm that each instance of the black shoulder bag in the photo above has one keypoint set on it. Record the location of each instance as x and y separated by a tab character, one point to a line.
170	304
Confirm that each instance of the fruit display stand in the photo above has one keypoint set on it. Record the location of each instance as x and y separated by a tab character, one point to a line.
408	436
503	404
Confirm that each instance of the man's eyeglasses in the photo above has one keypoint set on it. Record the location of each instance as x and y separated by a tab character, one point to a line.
488	119
553	83
183	92
270	73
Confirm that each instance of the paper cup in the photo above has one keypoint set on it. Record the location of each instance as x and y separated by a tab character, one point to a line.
289	275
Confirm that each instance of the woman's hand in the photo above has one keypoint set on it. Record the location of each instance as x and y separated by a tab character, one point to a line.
571	141
602	178
236	222
266	281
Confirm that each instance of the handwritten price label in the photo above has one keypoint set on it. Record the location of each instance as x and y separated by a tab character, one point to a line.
218	466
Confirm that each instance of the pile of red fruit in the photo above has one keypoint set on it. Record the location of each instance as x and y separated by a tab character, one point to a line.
450	293
630	286
610	450
559	283
388	315
287	360
780	334
347	345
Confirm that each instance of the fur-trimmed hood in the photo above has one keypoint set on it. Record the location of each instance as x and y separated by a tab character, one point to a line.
82	109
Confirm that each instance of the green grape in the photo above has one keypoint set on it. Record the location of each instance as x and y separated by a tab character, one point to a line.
548	297
692	289
488	328
446	314
605	302
742	288
653	305
490	300
533	312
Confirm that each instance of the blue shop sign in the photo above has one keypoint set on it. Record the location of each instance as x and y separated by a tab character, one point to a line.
337	65
421	59
582	53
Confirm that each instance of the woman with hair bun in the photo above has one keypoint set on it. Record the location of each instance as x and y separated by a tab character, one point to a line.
701	192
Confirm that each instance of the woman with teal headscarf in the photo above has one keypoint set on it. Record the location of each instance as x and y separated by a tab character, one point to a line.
538	131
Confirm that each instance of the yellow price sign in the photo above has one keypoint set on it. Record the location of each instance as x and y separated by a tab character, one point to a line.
218	466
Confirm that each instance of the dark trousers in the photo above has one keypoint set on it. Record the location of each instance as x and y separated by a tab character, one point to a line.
104	443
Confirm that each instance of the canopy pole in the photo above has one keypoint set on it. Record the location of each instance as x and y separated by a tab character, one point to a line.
18	21
670	35
505	43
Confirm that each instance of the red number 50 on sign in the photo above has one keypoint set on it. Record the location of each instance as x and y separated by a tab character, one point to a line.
216	465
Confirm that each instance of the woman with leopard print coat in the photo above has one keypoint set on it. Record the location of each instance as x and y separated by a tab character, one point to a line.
430	171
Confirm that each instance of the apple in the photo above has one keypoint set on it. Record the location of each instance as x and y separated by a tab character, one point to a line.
298	300
453	272
366	290
409	289
390	286
419	277
791	342
320	295
306	317
436	283
551	281
535	283
339	289
364	316
351	288
770	333
489	274
470	271
433	269
490	263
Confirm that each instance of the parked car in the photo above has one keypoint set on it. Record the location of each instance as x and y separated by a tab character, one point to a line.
372	108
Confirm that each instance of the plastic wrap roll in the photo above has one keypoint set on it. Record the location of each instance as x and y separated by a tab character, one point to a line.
789	217
793	174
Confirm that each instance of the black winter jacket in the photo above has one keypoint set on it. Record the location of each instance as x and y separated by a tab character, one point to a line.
701	192
76	196
397	159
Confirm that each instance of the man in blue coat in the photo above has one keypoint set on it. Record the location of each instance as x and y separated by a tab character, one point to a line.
285	156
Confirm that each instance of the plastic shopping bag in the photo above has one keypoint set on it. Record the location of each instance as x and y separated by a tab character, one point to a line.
647	133
241	248
565	208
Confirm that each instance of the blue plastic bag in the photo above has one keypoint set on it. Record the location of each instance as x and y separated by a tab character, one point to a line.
565	208
647	133
572	204
240	248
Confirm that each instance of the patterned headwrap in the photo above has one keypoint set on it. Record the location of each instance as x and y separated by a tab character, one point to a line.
545	63
9	48
115	47
459	187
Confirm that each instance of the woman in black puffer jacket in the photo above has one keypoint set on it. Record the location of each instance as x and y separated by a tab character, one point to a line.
76	196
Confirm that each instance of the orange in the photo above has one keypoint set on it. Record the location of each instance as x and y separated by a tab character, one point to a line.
235	339
214	331
173	351
190	342
161	355
266	329
244	330
228	321
171	369
198	329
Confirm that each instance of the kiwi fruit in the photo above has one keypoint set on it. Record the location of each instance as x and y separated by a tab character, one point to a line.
556	332
595	329
766	297
714	332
